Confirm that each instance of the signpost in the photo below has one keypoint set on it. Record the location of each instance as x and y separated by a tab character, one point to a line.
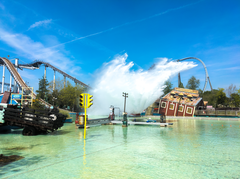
85	101
16	96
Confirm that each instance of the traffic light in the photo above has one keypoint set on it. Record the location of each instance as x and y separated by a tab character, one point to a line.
81	100
90	100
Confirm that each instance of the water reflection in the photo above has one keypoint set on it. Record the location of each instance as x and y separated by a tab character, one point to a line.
112	131
164	131
59	132
84	154
85	132
80	135
187	147
125	131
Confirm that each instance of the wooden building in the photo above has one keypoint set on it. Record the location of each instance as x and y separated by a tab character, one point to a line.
180	102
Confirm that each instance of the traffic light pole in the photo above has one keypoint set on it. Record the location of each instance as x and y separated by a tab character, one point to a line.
85	122
85	102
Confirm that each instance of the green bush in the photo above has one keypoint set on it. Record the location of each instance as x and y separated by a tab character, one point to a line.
37	105
64	113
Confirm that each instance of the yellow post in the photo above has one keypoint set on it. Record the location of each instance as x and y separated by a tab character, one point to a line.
85	111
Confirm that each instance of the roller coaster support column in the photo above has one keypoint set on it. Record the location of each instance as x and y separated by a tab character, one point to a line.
179	80
210	83
45	72
64	83
15	83
54	80
10	83
3	77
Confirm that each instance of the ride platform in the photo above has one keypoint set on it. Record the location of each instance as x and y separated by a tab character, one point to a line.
144	123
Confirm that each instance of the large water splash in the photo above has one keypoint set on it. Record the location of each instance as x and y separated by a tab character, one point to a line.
143	87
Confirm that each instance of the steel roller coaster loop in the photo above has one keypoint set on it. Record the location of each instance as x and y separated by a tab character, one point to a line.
205	68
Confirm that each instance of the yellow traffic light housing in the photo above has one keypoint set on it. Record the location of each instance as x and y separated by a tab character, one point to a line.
85	102
81	100
89	101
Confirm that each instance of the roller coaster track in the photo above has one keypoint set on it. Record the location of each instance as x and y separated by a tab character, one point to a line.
18	78
38	63
207	79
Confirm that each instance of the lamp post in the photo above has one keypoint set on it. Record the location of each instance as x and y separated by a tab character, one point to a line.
125	95
125	122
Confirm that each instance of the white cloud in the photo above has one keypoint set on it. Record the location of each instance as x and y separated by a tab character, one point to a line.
40	23
26	47
229	69
26	74
75	69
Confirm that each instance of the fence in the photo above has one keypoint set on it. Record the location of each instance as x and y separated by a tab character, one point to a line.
217	113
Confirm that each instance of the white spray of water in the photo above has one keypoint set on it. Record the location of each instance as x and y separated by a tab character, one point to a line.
143	87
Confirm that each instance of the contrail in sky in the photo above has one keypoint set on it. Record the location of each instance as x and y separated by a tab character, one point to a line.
127	23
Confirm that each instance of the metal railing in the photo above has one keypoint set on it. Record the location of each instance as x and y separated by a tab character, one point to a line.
217	113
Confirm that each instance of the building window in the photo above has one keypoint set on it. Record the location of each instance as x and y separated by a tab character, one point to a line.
163	105
171	107
189	110
180	108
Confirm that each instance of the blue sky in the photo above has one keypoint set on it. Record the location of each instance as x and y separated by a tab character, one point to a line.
79	36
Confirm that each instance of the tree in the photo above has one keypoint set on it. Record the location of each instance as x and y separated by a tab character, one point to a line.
168	87
53	98
235	98
59	85
37	105
238	91
181	85
218	97
193	83
200	92
230	90
69	96
221	97
209	96
42	91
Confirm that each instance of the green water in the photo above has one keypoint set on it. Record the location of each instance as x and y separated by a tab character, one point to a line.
188	149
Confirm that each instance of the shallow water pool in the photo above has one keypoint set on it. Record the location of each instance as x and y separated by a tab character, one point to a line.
188	149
